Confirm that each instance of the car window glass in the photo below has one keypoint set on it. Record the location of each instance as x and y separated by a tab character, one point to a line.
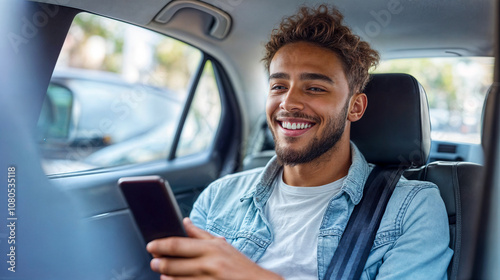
54	120
455	87
203	118
116	96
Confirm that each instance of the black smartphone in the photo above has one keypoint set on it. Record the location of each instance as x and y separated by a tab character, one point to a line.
153	206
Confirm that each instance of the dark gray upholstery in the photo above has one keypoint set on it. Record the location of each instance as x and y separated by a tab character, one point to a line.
395	128
460	187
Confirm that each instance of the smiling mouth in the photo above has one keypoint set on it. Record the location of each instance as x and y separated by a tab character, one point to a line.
295	125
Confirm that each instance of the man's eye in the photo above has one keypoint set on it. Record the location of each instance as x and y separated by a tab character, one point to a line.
277	88
316	89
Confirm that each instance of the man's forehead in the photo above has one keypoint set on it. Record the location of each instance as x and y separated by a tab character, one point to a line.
304	59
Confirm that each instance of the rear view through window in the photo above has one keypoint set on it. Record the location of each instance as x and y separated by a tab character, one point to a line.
456	88
117	95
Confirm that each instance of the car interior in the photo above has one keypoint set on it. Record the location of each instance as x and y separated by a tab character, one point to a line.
205	58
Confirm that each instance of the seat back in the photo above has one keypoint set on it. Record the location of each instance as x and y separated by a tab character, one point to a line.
396	128
459	184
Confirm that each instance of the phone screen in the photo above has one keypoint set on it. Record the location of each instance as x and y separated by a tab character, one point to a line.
153	206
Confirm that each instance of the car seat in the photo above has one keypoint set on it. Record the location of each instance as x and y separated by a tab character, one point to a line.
396	126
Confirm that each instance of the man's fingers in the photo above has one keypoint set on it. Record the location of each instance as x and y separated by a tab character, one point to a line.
173	267
165	277
186	258
178	267
176	246
195	232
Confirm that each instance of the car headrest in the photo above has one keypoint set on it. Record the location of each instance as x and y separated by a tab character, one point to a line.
395	129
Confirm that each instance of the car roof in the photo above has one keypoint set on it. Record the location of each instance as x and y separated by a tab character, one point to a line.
428	27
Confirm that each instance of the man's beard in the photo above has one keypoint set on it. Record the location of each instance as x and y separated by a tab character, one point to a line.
334	129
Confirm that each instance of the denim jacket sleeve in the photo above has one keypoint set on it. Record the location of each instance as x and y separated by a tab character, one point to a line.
199	213
218	200
421	251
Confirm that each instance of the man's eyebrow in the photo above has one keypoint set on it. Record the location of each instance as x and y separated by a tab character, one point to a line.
279	75
316	76
303	76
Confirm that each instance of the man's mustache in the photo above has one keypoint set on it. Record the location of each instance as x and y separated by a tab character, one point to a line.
298	115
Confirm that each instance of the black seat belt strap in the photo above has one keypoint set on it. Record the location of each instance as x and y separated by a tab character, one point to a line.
357	240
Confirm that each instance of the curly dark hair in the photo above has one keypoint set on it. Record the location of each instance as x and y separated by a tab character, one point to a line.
324	27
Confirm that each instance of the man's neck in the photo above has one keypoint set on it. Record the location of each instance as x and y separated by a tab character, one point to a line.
329	167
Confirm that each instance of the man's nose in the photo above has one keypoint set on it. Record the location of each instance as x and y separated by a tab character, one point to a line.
292	100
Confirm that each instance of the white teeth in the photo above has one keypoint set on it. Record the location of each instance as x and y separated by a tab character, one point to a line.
295	126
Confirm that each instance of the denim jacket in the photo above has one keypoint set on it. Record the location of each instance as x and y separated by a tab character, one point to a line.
411	242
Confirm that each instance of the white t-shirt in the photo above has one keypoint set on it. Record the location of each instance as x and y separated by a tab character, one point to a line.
295	215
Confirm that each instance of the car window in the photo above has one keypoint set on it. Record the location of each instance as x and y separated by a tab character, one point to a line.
117	96
54	120
455	87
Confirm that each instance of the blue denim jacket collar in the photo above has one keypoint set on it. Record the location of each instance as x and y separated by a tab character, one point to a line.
353	184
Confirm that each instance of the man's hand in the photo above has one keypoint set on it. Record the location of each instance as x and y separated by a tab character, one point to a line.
203	256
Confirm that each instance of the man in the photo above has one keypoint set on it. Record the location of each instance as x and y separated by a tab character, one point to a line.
286	220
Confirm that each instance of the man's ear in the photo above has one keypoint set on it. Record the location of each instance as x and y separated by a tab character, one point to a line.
357	108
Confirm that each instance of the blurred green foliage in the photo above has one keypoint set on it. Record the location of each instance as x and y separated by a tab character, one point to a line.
155	59
455	87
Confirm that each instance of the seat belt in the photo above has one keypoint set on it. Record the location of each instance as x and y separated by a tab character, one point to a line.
356	242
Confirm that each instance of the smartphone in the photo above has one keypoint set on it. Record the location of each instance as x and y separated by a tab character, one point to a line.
153	206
